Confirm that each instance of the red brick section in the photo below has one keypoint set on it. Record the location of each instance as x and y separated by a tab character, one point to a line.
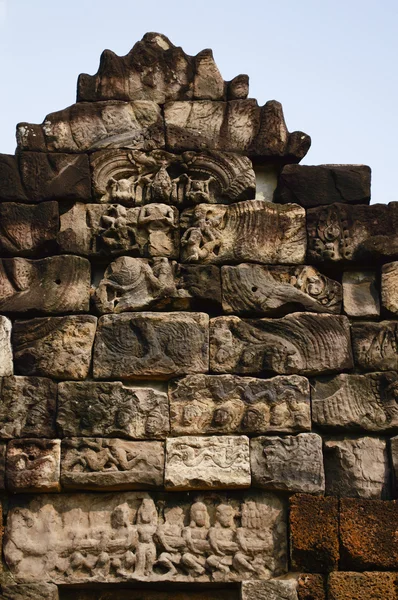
314	544
362	586
368	535
311	586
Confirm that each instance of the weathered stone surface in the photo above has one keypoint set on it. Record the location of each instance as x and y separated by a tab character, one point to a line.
148	594
95	125
389	287
111	464
372	585
117	537
102	409
289	463
368	535
394	464
136	178
28	230
92	229
324	184
311	586
353	402
6	363
360	295
57	347
280	345
65	280
151	345
274	589
342	232
33	465
357	467
314	539
2	465
375	345
27	407
246	231
33	591
219	404
268	290
11	188
137	283
200	463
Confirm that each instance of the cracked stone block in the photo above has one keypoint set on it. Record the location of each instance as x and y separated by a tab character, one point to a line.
360	295
32	591
6	362
33	465
389	287
375	345
28	230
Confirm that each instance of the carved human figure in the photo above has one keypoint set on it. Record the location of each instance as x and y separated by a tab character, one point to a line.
254	539
203	238
157	220
115	230
169	536
196	539
146	526
124	541
92	456
222	539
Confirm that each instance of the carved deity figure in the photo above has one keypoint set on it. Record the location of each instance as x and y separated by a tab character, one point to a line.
116	232
222	539
169	536
254	540
195	536
146	526
203	238
157	220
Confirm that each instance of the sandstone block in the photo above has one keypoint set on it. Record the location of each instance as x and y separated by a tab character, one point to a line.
324	184
58	347
11	188
283	345
136	594
111	464
32	591
95	230
268	290
27	407
222	404
372	585
137	283
118	537
311	586
65	279
273	589
368	535
33	465
314	539
151	345
289	463
361	298
394	463
389	286
102	409
199	463
253	230
375	345
357	467
2	466
28	230
6	362
352	402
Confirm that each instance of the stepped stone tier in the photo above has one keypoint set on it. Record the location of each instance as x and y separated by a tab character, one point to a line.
198	350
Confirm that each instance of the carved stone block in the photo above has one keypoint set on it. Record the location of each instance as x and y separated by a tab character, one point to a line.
253	231
283	345
357	467
6	363
220	404
27	407
11	188
111	464
375	345
65	279
28	230
106	538
55	176
137	283
95	125
394	464
33	591
136	178
93	229
373	585
352	402
151	345
343	232
268	290
2	465
200	463
149	594
33	465
274	589
102	409
389	287
324	184
289	463
58	347
361	298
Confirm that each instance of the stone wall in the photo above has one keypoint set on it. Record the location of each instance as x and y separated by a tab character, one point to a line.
198	350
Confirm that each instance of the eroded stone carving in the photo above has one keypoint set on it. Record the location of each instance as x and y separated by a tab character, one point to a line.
137	283
274	589
33	591
33	465
289	463
102	409
3	448
151	345
361	298
389	287
199	463
58	347
135	536
111	464
249	288
394	463
11	188
246	231
375	345
65	279
283	345
28	230
6	362
206	404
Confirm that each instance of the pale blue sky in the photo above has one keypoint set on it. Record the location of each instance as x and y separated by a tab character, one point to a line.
332	64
